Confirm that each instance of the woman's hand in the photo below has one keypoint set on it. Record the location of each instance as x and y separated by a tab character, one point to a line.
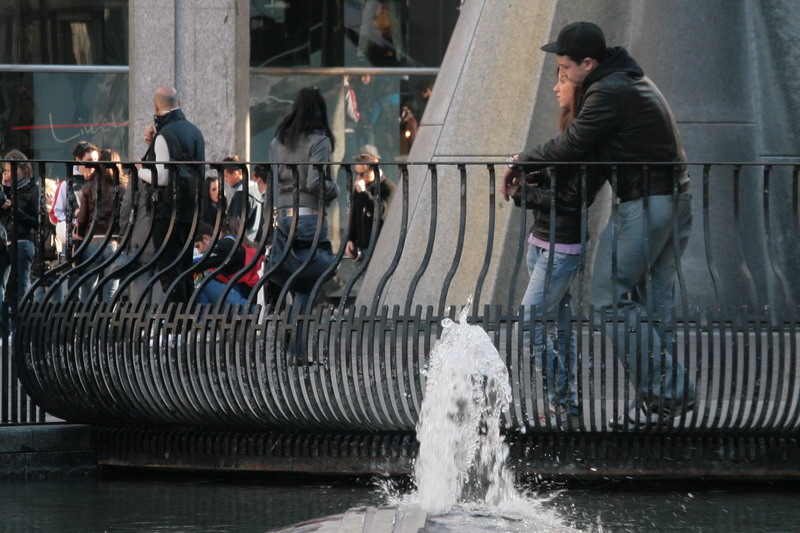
350	250
510	183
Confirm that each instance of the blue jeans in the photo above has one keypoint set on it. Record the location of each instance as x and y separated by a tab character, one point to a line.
648	232
212	292
110	286
560	382
25	252
300	251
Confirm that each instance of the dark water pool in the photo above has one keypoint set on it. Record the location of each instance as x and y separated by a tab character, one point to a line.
219	504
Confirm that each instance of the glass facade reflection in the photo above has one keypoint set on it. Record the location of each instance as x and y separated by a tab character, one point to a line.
45	114
64	32
341	33
377	110
374	59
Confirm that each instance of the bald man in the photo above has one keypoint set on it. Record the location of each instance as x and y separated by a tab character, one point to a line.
172	138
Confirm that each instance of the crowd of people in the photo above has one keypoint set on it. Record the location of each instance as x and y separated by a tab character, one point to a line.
146	233
610	112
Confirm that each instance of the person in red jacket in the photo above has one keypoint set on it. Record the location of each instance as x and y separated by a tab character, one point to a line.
223	262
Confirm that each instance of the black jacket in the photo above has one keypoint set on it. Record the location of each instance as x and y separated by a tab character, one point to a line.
566	182
254	222
362	215
185	143
27	211
623	119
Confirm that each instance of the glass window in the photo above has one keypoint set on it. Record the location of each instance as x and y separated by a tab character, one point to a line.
380	111
364	113
336	33
64	32
46	114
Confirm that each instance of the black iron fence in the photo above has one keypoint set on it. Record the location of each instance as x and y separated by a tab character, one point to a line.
721	356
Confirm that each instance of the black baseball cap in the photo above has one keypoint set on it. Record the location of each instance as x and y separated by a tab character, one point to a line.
579	40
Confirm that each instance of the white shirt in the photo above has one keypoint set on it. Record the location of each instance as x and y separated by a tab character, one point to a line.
162	173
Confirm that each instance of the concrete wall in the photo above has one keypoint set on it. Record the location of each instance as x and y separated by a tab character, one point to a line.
728	70
202	47
47	452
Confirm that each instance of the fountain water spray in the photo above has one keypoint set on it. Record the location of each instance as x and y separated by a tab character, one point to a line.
462	456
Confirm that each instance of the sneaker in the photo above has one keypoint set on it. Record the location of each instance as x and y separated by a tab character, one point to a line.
674	411
571	421
636	417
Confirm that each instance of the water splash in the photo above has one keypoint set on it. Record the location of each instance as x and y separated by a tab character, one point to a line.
462	455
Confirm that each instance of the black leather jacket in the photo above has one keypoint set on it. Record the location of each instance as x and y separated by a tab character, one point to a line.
27	211
567	186
621	119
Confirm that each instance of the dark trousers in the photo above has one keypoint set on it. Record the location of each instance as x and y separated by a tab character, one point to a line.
179	251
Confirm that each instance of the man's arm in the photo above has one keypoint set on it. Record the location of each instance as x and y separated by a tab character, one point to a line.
161	171
600	116
59	210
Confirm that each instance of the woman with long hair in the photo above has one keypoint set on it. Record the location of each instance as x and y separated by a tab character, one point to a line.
540	297
97	215
301	152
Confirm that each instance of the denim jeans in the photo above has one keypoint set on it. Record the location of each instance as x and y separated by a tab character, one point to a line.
25	252
212	292
300	251
110	286
560	382
322	259
648	232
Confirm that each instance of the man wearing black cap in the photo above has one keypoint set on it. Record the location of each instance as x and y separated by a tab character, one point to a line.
622	117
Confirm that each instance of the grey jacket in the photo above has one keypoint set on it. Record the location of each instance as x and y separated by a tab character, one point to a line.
313	148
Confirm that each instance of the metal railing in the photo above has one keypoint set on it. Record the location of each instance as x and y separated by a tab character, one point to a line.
160	361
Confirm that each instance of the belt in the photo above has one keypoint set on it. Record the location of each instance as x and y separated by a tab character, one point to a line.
101	238
682	188
301	211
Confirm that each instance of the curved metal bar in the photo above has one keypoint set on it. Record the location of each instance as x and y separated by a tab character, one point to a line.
783	421
371	374
215	238
791	415
487	258
462	224
401	240
341	372
712	268
133	363
737	224
128	272
373	237
521	241
240	240
320	380
771	245
314	245
103	265
584	236
423	265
